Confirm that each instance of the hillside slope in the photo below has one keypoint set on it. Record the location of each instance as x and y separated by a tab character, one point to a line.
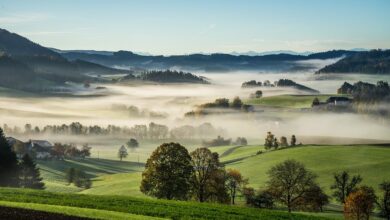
369	62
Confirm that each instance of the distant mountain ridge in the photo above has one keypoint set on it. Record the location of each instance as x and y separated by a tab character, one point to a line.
30	66
213	62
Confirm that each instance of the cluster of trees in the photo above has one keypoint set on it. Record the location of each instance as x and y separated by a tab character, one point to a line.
78	177
292	185
279	83
220	141
61	151
151	131
289	184
221	105
272	142
254	83
171	76
366	92
135	112
368	98
171	172
359	201
15	173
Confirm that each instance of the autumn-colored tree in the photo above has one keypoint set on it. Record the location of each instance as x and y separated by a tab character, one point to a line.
344	185
360	203
168	172
235	183
288	182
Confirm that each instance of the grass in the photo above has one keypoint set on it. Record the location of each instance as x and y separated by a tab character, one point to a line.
76	211
287	101
126	184
143	207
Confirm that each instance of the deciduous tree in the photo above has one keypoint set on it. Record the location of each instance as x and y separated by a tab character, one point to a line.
360	203
235	183
168	172
344	185
289	181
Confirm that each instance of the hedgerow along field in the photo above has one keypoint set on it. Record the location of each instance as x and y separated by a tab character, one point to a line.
144	207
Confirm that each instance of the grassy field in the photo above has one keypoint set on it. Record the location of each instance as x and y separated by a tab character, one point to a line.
370	161
136	206
287	101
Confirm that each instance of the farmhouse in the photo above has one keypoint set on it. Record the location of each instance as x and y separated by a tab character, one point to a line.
40	149
338	101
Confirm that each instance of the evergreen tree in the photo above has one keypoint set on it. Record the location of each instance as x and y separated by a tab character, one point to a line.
9	170
29	174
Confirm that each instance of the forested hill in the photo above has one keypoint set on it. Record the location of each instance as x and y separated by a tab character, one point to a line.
370	62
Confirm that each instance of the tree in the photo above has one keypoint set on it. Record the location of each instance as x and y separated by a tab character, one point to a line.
132	144
384	202
168	172
288	182
269	140
122	152
235	183
344	185
360	203
314	199
205	164
293	140
283	142
258	94
30	175
237	103
9	169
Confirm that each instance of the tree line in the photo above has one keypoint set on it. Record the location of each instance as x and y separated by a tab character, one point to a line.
151	131
220	105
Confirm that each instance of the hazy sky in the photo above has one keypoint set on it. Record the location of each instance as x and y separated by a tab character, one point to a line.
181	27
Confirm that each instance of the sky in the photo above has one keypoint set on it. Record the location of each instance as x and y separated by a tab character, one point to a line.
169	27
